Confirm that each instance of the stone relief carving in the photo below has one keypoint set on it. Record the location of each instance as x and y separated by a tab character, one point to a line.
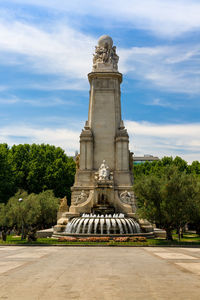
105	53
82	197
128	198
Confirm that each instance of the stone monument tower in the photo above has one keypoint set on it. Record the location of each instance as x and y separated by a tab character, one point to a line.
103	180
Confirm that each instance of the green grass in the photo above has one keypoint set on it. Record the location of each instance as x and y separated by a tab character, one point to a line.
188	239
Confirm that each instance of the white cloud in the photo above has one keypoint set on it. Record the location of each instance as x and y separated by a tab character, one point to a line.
165	140
165	18
66	54
145	138
65	138
43	102
60	50
172	68
162	103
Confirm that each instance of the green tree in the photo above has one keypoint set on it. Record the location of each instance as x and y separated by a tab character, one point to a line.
42	167
195	168
166	198
49	205
25	212
195	210
157	167
19	158
7	177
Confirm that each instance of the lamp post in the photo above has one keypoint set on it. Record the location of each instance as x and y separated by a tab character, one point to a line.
22	236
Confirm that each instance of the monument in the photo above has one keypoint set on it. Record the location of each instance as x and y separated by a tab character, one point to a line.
102	199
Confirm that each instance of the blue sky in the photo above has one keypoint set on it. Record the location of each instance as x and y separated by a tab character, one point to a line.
46	52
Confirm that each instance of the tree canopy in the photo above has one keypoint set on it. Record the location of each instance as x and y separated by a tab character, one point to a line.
168	197
29	211
157	167
35	168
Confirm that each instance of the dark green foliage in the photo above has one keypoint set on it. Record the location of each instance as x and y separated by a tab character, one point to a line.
158	167
7	177
194	168
167	198
35	168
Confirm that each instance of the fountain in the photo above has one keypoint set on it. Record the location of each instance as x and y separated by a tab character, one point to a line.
104	224
103	201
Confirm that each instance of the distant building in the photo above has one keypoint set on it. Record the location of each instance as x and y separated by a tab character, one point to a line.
142	159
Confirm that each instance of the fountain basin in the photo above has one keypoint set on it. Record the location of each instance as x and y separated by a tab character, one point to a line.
92	224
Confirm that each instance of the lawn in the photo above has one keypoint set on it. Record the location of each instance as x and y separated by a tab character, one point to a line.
188	239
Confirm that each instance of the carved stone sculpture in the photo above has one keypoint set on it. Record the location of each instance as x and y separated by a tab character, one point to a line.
82	197
105	53
77	161
104	171
126	197
63	205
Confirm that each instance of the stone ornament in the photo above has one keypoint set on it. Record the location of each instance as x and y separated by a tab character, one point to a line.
104	174
105	53
126	197
82	197
63	205
77	161
104	171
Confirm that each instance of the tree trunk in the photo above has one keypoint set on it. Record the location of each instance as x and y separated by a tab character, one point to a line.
169	234
4	235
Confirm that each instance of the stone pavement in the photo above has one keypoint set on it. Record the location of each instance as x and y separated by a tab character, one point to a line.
99	273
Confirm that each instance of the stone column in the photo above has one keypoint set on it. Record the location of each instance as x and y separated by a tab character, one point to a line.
104	115
86	149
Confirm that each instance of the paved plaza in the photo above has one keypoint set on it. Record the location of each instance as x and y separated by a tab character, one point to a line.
99	273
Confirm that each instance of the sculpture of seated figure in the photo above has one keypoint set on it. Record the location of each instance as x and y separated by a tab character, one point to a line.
104	171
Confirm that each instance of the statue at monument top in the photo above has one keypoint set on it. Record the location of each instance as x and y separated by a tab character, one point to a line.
105	57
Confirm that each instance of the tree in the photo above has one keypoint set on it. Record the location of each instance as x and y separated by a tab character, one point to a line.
195	210
167	198
49	205
41	167
195	168
32	211
7	178
3	221
157	167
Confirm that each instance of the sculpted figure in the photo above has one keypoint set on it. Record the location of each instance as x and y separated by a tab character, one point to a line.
82	197
114	57
104	171
63	205
77	161
105	53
